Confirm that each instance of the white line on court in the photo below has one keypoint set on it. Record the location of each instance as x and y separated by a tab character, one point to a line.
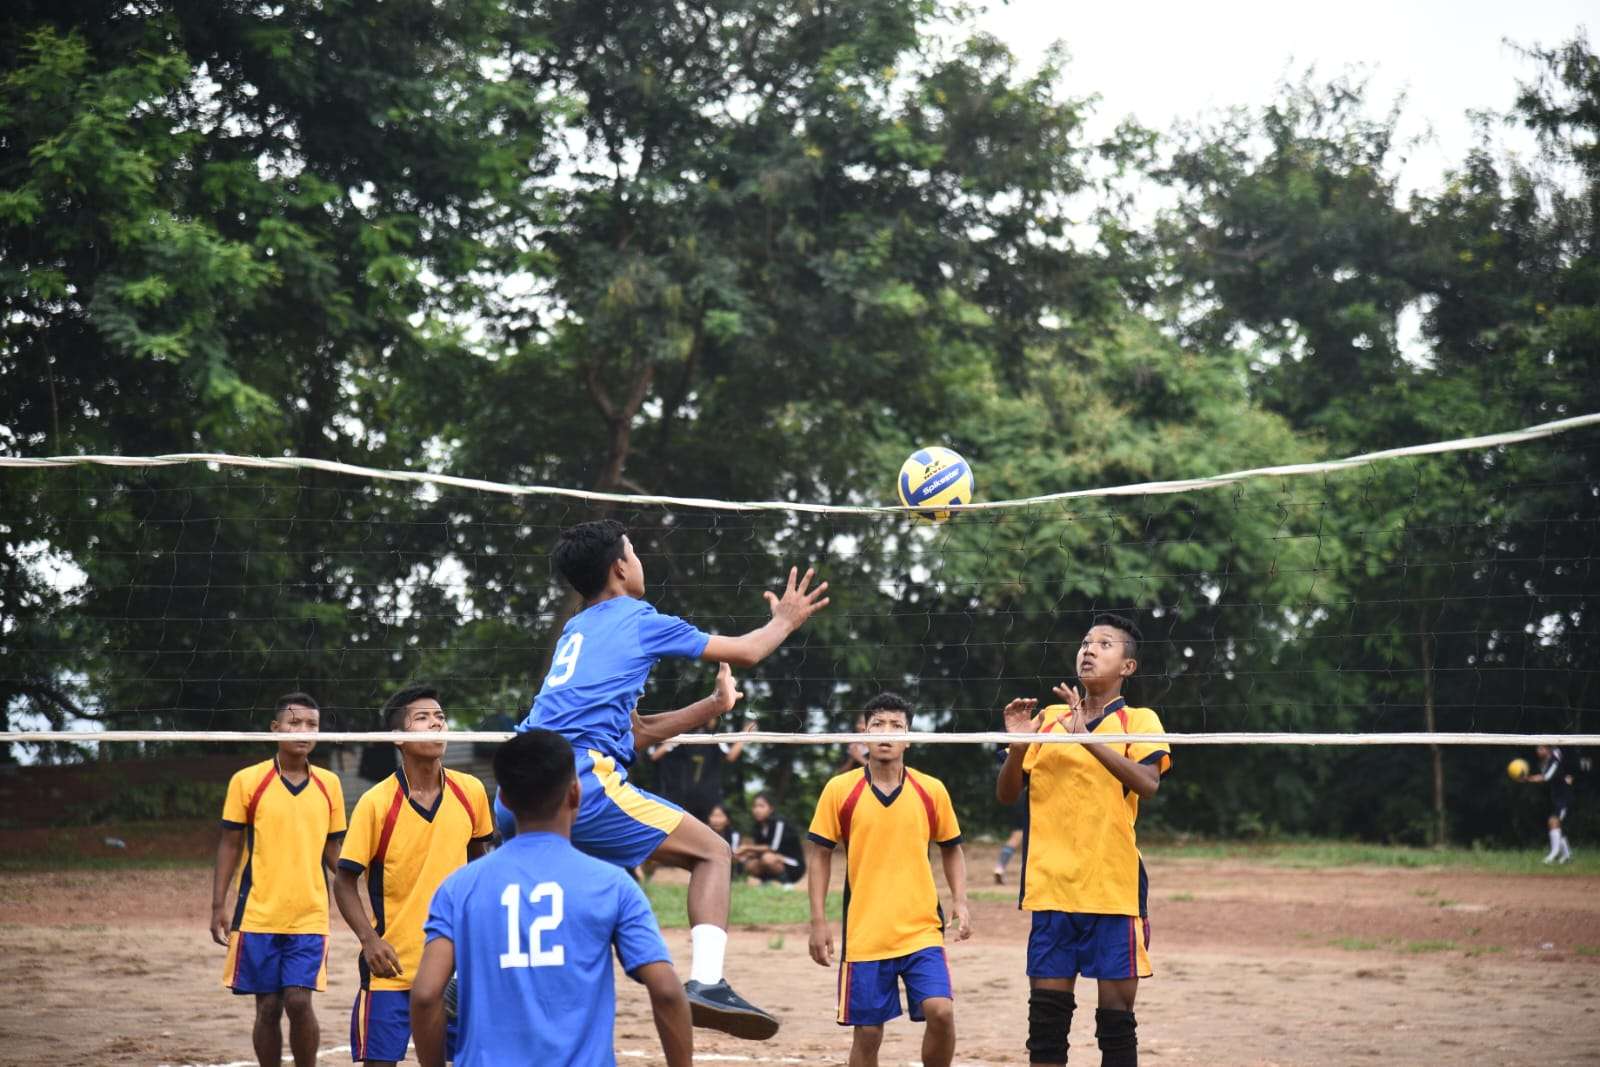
630	1054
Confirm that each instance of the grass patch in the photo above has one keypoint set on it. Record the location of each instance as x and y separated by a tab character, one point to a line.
1314	854
1181	898
1586	950
761	905
1485	950
1355	944
1424	892
1436	945
72	861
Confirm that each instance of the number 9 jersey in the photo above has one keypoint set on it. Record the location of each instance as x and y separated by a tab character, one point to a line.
533	925
599	669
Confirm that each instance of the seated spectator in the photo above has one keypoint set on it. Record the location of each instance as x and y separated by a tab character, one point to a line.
775	852
717	819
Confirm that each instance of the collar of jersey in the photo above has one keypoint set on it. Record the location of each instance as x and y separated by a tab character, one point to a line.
294	790
1110	709
405	787
884	798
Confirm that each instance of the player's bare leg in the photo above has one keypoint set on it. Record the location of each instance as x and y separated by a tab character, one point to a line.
267	1033
864	1046
304	1032
939	1032
698	849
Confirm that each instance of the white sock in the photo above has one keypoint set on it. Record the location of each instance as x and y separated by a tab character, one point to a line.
1566	846
707	946
1555	844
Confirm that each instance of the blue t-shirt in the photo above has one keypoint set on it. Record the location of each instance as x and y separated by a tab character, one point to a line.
598	672
533	924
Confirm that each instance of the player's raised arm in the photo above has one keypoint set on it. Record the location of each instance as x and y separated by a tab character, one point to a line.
1019	719
789	612
653	729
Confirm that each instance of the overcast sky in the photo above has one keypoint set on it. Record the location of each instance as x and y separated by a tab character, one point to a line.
1167	61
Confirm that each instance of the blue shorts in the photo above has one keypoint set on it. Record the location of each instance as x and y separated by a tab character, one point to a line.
616	822
869	991
1066	944
380	1026
271	963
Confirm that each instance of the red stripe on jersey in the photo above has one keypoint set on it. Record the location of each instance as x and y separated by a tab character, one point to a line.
461	795
848	808
927	804
1122	717
388	827
325	794
255	798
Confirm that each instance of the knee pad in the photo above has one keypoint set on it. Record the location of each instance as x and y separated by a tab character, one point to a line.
1117	1034
1049	1021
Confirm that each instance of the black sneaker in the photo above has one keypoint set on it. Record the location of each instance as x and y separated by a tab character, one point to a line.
718	1007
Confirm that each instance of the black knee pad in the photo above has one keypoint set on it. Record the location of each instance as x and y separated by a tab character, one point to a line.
1049	1021
1119	1041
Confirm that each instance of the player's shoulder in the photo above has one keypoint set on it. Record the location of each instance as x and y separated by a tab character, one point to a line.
325	778
1142	715
253	773
845	781
380	793
927	781
468	782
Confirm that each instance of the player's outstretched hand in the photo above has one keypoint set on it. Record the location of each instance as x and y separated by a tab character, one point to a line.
963	920
822	944
219	925
381	958
799	602
726	691
1018	716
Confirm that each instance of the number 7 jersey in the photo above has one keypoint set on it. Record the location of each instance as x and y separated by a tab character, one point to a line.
533	925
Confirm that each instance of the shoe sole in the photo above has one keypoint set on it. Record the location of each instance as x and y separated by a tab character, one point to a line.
751	1026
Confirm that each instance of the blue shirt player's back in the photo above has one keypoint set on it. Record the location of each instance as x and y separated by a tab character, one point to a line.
533	925
602	661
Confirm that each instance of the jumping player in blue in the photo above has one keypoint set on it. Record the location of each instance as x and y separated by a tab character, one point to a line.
604	655
529	931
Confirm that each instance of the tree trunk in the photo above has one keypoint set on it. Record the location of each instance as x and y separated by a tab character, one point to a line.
1430	723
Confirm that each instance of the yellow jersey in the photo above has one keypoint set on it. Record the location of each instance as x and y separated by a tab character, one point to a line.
406	851
891	907
282	886
1079	852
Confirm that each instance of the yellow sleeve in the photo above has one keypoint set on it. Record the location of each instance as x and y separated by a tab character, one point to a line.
482	815
1146	721
1046	715
947	830
825	823
336	822
362	837
233	804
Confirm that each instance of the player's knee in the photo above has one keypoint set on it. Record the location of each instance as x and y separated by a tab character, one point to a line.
297	1002
1117	1035
868	1038
269	1007
1049	1022
940	1013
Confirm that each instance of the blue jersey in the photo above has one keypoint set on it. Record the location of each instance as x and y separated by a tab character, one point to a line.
601	663
533	924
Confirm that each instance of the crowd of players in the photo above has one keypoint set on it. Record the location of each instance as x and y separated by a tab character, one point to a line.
488	925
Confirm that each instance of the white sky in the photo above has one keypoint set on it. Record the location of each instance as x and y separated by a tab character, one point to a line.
1167	61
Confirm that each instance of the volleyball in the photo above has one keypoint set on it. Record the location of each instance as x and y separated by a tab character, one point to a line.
1517	769
935	478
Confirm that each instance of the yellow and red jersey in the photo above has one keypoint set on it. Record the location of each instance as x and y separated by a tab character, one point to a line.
1080	853
282	886
406	851
891	906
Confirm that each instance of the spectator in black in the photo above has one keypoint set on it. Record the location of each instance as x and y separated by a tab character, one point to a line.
775	852
717	819
691	775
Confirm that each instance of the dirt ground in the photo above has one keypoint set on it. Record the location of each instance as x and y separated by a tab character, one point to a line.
1256	966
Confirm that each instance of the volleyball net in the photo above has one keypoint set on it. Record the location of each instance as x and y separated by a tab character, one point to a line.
1441	594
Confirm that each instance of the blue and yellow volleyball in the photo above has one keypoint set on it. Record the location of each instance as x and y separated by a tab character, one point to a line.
932	480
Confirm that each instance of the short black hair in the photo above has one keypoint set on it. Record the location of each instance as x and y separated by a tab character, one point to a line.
394	708
288	700
887	701
534	770
1123	623
584	554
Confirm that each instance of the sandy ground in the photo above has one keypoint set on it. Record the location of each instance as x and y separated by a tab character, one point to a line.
1255	966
